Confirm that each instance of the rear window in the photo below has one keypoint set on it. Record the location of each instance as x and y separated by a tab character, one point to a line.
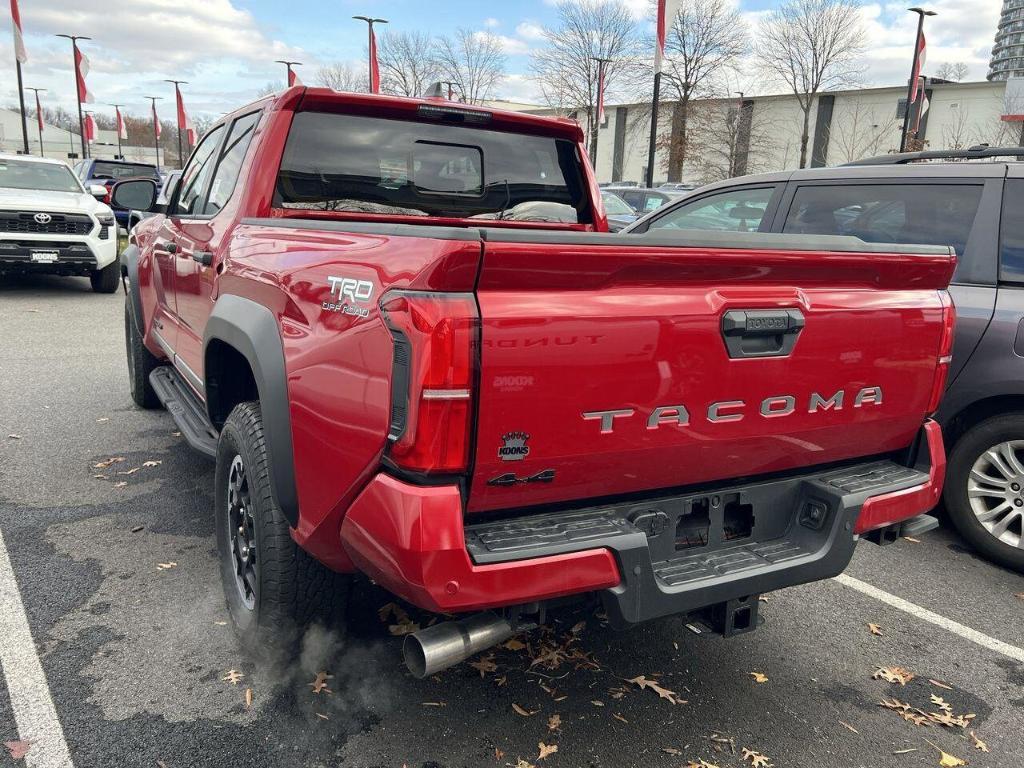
102	170
918	214
335	162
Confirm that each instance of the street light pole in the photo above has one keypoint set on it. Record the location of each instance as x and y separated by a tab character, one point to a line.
39	118
78	94
117	128
370	21
921	13
156	132
288	65
177	109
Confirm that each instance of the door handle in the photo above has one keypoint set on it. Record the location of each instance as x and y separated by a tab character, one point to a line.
203	257
171	248
761	332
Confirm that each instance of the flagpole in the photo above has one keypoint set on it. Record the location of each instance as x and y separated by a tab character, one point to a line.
288	65
649	181
78	94
21	99
921	13
156	133
117	128
370	21
39	118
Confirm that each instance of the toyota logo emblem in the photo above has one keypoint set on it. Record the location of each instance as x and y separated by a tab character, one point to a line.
42	218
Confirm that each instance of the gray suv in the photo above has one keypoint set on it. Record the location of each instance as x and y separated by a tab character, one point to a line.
969	199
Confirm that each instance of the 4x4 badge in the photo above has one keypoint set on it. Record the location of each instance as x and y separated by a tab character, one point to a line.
513	446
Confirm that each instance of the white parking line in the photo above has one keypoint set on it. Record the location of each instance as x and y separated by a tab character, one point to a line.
26	684
924	614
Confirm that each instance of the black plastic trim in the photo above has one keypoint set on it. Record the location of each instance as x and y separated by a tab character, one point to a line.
130	271
431	231
252	330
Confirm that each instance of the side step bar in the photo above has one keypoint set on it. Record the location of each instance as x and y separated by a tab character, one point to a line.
186	410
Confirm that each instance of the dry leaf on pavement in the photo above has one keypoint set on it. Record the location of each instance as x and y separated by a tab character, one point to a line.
248	698
978	743
320	684
513	645
554	722
18	749
13	437
524	712
520	763
102	419
893	675
757	760
1019	595
166	566
121	484
874	629
546	750
233	676
849	727
941	703
485	664
672	751
131	471
618	716
498	754
947	760
152	463
434	704
759	677
653	685
106	463
937	684
700	764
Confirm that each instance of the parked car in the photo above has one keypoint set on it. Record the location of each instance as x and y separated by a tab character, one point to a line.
641	199
107	172
401	331
50	223
619	214
677	186
924	198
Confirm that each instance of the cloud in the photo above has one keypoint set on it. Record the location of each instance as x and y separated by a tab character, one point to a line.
530	30
491	23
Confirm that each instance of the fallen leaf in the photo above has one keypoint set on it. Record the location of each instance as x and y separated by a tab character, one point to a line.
233	676
700	764
321	716
763	598
947	760
121	484
513	645
13	437
520	763
578	627
757	760
485	665
848	727
524	712
434	704
1019	595
597	703
221	623
554	722
893	675
501	681
759	677
498	754
166	566
175	434
905	751
131	471
546	750
320	684
618	716
911	539
941	703
937	684
653	685
248	698
672	751
978	743
107	462
875	629
152	463
102	419
100	477
18	749
137	528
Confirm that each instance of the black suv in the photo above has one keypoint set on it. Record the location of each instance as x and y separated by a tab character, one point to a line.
968	199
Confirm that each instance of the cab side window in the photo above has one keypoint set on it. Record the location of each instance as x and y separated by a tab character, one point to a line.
197	173
230	164
1011	233
734	210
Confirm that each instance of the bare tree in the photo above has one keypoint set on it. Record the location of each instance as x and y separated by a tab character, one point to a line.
342	76
954	72
270	87
857	131
728	139
474	61
811	46
564	67
408	65
703	51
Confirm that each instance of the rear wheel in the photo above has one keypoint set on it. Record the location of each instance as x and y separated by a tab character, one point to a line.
984	491
105	280
273	589
141	361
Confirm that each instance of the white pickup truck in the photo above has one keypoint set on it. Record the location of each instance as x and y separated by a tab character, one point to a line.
50	223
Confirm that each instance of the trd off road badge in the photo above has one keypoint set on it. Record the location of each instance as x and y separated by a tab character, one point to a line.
346	293
513	446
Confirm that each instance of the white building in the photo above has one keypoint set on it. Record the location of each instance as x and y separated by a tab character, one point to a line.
65	145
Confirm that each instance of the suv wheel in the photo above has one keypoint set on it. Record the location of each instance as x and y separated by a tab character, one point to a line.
273	589
141	361
105	280
984	491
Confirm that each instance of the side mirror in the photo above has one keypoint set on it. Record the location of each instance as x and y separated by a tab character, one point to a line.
134	194
98	191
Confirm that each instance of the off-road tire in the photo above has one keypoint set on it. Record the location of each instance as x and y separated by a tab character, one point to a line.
141	361
965	453
292	590
107	279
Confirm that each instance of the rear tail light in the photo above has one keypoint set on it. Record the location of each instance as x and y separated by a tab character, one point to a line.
435	339
945	352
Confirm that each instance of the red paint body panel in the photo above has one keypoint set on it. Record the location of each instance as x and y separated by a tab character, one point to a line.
409	539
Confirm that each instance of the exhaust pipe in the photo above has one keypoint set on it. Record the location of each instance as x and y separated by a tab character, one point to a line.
444	645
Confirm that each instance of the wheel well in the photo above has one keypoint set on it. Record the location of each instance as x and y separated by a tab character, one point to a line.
229	380
977	412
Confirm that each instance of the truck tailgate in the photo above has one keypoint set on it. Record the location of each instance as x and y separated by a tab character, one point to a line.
620	364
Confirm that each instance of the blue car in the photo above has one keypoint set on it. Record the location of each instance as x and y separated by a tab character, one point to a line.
108	172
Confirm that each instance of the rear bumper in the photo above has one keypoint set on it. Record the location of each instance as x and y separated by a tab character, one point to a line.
737	541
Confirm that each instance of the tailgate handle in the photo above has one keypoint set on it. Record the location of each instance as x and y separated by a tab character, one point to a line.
761	332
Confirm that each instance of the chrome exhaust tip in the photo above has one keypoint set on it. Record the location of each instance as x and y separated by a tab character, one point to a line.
441	646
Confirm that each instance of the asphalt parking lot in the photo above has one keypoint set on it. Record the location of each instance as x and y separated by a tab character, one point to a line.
116	575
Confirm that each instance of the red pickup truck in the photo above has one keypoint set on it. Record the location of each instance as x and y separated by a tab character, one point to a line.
402	331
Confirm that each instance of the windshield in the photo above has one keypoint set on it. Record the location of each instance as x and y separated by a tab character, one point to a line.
49	177
337	162
615	205
102	170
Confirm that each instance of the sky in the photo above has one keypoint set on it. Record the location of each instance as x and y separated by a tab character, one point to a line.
226	48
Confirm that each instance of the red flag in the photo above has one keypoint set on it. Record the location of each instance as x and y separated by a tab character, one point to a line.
293	79
667	10
39	113
90	129
81	70
156	122
374	68
921	110
918	66
184	123
122	129
600	95
20	54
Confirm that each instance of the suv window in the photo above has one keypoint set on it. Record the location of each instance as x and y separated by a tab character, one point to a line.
197	171
923	214
231	162
117	171
734	210
1011	235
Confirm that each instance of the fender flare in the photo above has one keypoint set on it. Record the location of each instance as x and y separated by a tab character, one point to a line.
252	330
130	272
